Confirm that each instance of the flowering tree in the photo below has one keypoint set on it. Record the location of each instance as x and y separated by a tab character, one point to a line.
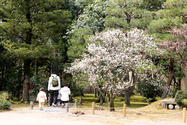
175	51
111	56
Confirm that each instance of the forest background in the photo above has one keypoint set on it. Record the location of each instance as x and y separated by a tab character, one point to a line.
41	36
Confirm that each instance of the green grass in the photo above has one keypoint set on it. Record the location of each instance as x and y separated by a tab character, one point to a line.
137	101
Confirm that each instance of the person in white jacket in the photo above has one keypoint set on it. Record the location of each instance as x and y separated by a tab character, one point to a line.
41	98
65	92
53	90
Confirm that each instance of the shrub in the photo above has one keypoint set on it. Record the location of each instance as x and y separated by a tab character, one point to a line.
37	82
4	103
150	89
184	101
180	96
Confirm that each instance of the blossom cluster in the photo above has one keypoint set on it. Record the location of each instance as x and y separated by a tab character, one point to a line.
176	48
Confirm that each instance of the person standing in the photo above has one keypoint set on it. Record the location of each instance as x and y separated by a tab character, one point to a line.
65	92
41	98
53	87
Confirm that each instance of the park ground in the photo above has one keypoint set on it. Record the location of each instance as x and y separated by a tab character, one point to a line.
148	115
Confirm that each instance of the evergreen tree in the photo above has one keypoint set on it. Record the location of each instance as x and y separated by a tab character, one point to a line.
153	5
173	16
92	20
29	28
126	14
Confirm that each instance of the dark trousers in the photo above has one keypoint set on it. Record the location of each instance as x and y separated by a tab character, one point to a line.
53	96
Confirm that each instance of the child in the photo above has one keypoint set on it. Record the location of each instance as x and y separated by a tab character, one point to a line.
65	92
41	98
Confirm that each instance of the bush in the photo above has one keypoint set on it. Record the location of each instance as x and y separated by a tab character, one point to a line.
38	81
4	103
180	96
149	90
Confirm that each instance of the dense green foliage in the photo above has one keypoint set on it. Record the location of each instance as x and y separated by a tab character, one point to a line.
33	30
126	14
4	103
173	15
38	81
153	5
182	94
148	90
40	36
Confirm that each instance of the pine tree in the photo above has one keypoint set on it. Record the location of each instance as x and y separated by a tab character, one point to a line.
126	14
173	16
28	28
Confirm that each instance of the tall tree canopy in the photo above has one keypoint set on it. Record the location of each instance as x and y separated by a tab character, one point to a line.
28	28
126	14
92	20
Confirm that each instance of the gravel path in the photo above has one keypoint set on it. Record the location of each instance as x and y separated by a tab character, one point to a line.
51	116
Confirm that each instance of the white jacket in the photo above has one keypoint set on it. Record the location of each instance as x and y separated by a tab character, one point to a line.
50	87
65	92
41	96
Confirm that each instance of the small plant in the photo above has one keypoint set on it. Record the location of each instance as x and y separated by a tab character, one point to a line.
4	103
180	96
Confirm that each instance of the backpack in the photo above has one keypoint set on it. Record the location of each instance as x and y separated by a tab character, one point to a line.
54	82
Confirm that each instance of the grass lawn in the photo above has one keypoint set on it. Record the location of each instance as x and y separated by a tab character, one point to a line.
136	101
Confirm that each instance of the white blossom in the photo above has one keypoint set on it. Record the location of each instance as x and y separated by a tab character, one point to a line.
112	54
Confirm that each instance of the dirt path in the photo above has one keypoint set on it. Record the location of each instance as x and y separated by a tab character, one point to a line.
36	117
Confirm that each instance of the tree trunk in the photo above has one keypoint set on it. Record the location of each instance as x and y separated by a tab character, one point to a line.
2	78
36	67
127	96
27	62
95	93
80	100
111	105
171	75
101	99
56	64
26	80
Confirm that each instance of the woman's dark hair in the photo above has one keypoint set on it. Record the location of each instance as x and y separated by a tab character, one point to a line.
42	89
66	85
